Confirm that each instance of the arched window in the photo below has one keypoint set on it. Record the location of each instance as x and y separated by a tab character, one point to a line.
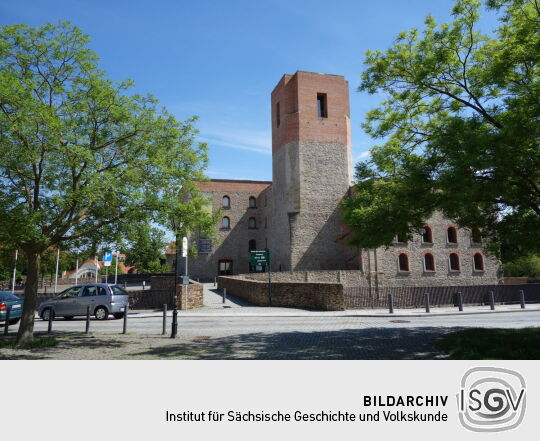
426	235
478	261
403	262
401	238
225	223
252	223
252	245
451	235
476	237
226	202
252	202
454	262
429	262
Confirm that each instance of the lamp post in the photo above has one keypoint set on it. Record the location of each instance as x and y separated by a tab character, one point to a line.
176	225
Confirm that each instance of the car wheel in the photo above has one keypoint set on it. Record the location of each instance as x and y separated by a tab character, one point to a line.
68	317
46	313
119	315
101	313
14	321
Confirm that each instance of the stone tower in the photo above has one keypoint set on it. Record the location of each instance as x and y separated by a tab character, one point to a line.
312	171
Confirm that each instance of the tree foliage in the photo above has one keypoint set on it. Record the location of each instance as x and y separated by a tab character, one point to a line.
81	156
459	129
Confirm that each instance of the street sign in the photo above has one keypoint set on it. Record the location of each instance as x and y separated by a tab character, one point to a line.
107	258
184	247
205	246
258	258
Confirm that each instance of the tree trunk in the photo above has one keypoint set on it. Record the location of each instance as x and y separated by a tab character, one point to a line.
26	328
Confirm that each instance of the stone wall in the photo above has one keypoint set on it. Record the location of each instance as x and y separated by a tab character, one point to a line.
345	277
166	284
318	296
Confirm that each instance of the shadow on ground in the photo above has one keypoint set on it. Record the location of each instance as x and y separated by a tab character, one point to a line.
353	344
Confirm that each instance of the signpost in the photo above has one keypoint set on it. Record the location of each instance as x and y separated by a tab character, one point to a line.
107	260
262	258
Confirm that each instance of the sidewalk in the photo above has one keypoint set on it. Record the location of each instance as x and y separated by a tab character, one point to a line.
234	307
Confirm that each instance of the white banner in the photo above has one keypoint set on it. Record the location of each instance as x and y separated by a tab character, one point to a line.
270	400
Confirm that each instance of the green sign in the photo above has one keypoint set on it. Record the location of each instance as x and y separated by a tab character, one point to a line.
258	257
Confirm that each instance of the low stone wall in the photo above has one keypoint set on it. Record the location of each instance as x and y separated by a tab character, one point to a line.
194	295
345	277
319	296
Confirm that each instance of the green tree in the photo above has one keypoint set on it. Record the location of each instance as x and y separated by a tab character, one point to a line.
459	129
80	154
523	266
146	249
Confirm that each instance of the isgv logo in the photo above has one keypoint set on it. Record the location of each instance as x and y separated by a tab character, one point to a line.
491	399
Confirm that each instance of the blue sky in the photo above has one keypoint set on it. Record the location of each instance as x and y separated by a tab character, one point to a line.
221	59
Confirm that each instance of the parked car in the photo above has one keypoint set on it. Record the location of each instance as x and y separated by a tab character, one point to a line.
15	305
103	299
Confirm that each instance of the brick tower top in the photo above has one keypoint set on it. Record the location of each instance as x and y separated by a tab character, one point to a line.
310	107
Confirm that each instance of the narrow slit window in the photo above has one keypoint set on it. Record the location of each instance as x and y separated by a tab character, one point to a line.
278	115
322	110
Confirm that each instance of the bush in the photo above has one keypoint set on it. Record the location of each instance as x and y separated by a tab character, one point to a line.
526	266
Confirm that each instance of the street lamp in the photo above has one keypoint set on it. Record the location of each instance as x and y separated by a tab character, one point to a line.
176	225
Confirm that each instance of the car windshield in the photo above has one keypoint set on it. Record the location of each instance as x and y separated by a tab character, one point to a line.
8	296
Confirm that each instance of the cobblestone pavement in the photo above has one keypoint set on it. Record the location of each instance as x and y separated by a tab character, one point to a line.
265	337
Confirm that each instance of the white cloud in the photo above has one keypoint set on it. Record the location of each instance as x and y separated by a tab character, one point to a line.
363	155
258	142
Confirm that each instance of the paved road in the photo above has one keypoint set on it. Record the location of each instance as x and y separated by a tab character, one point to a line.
220	326
268	337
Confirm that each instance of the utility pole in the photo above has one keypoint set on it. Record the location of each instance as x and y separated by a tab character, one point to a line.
116	269
77	269
14	272
56	275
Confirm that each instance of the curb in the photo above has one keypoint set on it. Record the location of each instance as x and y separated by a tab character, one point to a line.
331	314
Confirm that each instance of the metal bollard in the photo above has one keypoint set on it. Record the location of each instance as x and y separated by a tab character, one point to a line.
460	301
492	300
125	285
390	303
87	330
224	294
522	298
124	328
6	325
426	300
164	319
174	326
215	282
49	325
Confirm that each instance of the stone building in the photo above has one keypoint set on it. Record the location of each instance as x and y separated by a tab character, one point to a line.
296	215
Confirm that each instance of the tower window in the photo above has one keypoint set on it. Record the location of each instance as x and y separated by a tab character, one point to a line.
403	262
454	262
252	202
322	110
278	115
225	223
226	202
452	235
252	245
252	223
429	262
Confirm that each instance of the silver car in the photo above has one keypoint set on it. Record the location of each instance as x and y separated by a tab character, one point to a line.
103	299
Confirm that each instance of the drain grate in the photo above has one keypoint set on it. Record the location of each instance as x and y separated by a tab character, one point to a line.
202	337
400	321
